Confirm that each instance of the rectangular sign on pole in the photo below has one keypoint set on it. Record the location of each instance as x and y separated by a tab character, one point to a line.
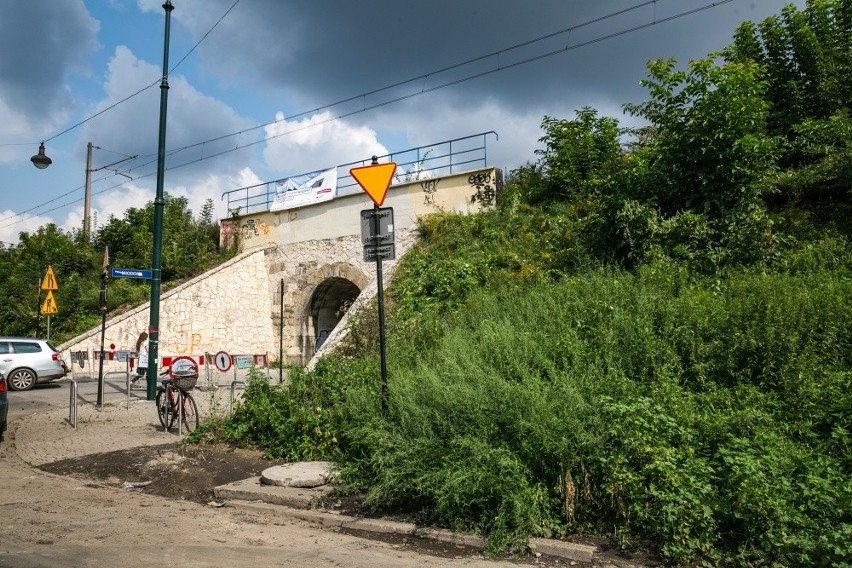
384	252
377	225
131	273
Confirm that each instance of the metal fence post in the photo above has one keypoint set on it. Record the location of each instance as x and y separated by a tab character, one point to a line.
72	404
127	377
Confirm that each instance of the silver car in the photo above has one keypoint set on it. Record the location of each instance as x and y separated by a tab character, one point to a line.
26	361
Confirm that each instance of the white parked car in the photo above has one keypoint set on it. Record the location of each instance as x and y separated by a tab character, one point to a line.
26	361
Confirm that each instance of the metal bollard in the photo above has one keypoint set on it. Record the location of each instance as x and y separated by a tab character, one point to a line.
72	405
127	372
231	401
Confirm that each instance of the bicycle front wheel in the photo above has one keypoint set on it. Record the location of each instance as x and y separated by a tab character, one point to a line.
190	413
164	410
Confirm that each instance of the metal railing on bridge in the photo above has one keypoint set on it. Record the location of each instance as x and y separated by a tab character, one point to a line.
423	162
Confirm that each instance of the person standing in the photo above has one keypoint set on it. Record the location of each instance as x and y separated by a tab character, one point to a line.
142	357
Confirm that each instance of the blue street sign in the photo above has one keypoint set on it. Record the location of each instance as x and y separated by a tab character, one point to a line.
130	273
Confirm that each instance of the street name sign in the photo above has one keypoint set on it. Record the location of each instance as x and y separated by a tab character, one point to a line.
131	273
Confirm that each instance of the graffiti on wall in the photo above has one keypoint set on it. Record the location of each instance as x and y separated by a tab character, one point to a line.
186	343
430	186
485	186
253	228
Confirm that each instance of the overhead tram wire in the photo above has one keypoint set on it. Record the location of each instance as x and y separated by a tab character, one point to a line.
425	76
35	209
425	90
355	97
422	91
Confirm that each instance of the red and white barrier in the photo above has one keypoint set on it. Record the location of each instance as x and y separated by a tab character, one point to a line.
240	361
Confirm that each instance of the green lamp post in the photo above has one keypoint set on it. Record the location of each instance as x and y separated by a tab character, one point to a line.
159	207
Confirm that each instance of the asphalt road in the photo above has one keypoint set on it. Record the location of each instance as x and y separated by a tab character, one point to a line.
58	394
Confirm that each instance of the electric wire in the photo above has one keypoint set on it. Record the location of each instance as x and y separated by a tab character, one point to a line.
425	76
422	91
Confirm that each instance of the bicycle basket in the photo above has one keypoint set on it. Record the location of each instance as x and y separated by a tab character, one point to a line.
185	381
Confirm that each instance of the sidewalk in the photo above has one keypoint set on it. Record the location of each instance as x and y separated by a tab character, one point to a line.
47	437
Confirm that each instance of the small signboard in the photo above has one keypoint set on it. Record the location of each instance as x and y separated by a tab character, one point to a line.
222	360
123	356
183	366
49	283
49	307
377	234
131	273
383	252
377	223
243	361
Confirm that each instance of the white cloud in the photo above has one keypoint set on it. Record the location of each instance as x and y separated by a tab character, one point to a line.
12	224
115	202
316	143
212	187
132	127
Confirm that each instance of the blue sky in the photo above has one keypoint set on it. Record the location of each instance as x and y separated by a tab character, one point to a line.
265	64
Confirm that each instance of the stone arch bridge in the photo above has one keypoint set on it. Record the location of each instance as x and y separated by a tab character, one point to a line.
296	273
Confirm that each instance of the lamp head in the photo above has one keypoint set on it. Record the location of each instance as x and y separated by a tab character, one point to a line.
40	160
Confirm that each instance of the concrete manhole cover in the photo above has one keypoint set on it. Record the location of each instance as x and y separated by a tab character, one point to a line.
301	474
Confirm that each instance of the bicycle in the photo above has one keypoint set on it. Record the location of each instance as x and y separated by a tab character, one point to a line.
175	403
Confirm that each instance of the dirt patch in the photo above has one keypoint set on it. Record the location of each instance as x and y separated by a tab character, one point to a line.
188	472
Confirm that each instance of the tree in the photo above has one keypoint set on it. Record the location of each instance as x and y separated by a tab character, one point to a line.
708	150
580	156
806	57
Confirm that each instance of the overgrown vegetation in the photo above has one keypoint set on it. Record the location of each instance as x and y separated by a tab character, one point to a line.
190	245
647	340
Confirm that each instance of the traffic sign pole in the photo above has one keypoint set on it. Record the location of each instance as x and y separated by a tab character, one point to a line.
375	179
381	295
49	307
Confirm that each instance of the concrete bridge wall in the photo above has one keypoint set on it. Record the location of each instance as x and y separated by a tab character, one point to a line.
315	251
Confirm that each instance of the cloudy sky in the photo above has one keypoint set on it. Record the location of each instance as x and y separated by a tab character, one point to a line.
265	89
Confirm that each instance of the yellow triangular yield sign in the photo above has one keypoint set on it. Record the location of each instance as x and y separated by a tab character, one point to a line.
49	306
49	283
375	180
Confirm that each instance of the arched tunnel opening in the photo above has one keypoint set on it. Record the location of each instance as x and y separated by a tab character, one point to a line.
328	305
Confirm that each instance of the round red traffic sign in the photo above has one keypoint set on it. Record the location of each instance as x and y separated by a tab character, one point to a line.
182	366
222	360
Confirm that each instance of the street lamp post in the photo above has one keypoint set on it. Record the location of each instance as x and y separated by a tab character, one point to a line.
159	206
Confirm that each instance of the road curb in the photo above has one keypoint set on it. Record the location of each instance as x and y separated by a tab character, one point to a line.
560	549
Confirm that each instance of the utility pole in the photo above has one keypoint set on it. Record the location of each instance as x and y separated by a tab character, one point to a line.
87	201
159	207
